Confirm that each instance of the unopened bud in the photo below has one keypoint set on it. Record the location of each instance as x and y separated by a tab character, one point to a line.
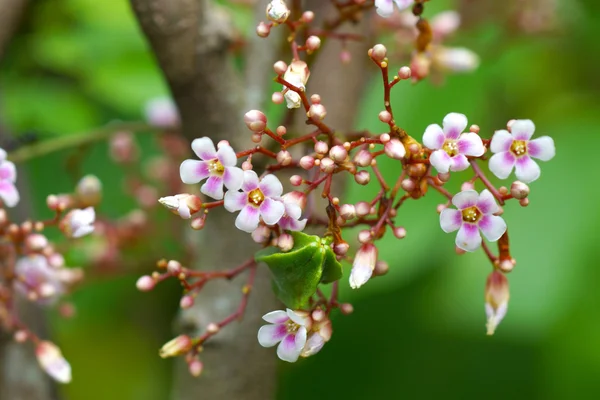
176	347
195	367
327	165
363	158
285	242
519	190
255	120
296	180
340	249
347	211
313	43
145	283
52	362
36	242
404	72
261	235
338	153
263	30
317	112
321	148
186	302
395	149
346	308
174	267
278	11
378	52
400	232
385	116
364	236
307	162
362	177
280	67
381	268
362	208
496	300
198	223
89	191
284	157
183	204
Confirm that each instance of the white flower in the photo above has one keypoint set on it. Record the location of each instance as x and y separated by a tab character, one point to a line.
259	198
319	335
183	204
37	280
80	222
475	212
297	75
385	8
496	300
451	145
218	166
52	361
363	266
288	327
514	149
8	177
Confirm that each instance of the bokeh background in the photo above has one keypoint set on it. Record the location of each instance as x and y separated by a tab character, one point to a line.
419	332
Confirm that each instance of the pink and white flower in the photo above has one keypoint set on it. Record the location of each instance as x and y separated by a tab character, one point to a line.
385	8
8	177
317	337
496	300
514	149
290	220
37	280
289	329
52	362
475	212
451	145
79	222
363	266
218	166
258	199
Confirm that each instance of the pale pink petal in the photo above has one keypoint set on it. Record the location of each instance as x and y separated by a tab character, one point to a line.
298	319
204	148
522	129
468	237
403	4
227	156
271	186
384	8
501	141
9	193
271	211
247	220
444	23
8	171
291	224
213	187
459	163
301	335
470	144
527	170
235	201
465	199
434	137
250	181
276	317
2	155
287	349
502	164
492	227
270	335
456	59
292	209
314	344
486	203
454	124
440	160
450	220
233	177
542	148
193	171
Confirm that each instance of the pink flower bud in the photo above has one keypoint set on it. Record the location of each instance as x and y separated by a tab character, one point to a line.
378	52
307	162
321	147
256	137
346	308
277	98
261	235
313	43
385	116
284	157
519	190
327	165
507	265
362	177
285	242
122	148
255	120
364	236
21	336
363	158
308	17
280	67
467	186
400	232
444	176
315	98
496	300
52	362
381	268
186	302
36	242
176	347
277	11
183	204
408	185
198	223
341	249
338	153
384	137
78	223
363	265
174	267
395	149
317	112
524	202
362	208
345	56
281	130
404	72
162	112
347	211
296	180
195	367
89	191
263	30
145	283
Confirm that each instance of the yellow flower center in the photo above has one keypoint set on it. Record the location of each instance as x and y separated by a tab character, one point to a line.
518	147
256	197
291	326
451	147
471	214
215	167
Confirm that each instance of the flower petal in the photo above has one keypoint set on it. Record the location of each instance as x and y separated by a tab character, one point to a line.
502	164
434	137
314	344
248	219
454	125
9	193
470	144
440	160
204	148
235	201
522	129
492	227
271	186
301	338
542	148
501	141
193	171
290	224
83	230
287	349
271	211
213	187
298	319
403	4
486	203
450	220
270	335
8	171
276	317
459	163
527	170
468	237
250	181
292	209
465	199
384	8
227	156
233	178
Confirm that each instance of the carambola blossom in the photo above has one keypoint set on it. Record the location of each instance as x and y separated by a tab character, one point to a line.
289	329
385	8
451	145
258	199
218	166
363	266
496	300
514	149
52	361
8	177
37	280
475	212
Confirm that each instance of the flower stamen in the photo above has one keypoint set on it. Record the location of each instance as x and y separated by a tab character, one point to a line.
451	147
519	147
215	167
256	197
471	215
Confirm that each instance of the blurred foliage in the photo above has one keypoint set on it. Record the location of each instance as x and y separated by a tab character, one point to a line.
418	332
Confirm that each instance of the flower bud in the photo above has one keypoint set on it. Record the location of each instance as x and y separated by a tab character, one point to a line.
145	283
347	211
277	11
195	367
183	204
340	249
186	302
176	347
363	265
321	148
52	362
122	148
381	268
285	242
162	112
284	157
78	223
364	236
420	66
307	162
404	72
378	52
400	232
89	191
174	267
363	158
36	242
263	30
338	153
395	149
317	112
346	308
295	180
255	120
280	67
362	177
198	223
312	43
496	300
362	208
296	197
327	165
519	190
385	116
261	235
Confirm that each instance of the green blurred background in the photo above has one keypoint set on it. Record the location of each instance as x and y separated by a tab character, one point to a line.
417	333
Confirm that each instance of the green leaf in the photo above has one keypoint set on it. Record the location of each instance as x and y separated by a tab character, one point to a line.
298	272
